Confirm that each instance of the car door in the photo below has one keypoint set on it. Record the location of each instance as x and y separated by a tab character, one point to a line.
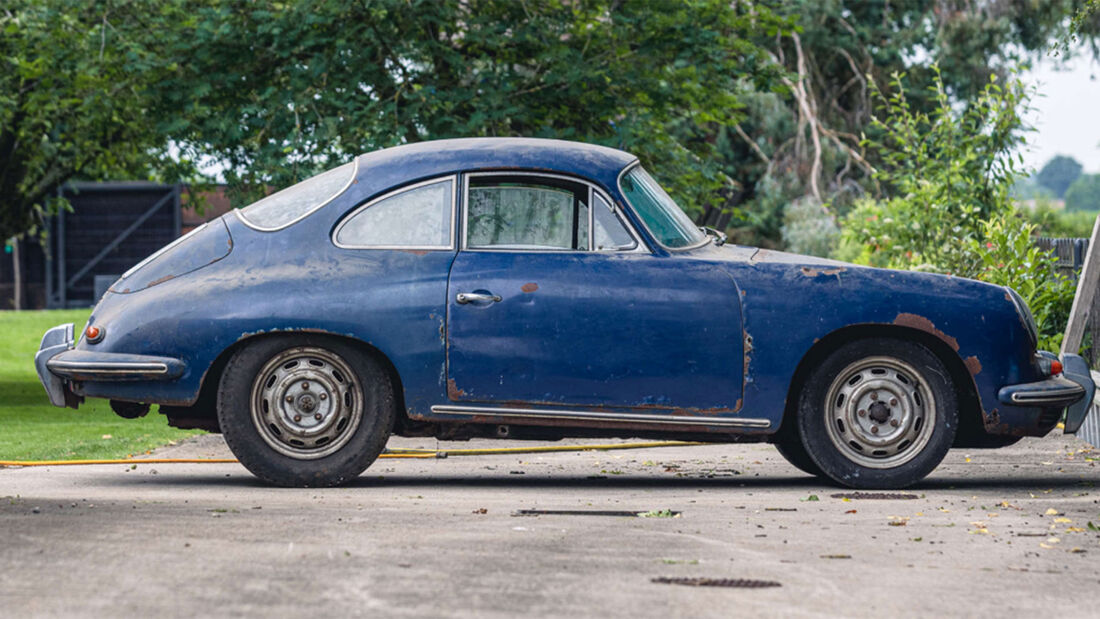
553	301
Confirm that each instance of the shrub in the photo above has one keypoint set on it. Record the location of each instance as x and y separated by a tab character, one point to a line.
809	227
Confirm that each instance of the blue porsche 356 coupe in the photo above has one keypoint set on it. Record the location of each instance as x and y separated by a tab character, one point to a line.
539	289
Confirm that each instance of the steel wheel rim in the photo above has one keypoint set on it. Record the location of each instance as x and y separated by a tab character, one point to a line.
879	413
306	403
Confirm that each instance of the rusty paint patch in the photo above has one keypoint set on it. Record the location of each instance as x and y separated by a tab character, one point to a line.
973	365
415	252
529	287
453	392
920	322
160	280
809	272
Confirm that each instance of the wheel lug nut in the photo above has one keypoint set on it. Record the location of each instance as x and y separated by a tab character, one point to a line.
297	418
894	422
324	396
874	395
862	413
305	386
317	416
290	398
893	401
874	429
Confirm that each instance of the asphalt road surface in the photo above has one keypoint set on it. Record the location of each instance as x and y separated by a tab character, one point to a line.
990	533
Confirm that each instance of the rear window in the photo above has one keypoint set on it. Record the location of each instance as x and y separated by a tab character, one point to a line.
293	203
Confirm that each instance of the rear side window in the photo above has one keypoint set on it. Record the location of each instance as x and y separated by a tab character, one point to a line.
413	217
293	203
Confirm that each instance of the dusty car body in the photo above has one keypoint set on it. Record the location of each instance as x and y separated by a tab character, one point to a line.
543	289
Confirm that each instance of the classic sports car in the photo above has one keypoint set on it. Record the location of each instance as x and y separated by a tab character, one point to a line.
540	289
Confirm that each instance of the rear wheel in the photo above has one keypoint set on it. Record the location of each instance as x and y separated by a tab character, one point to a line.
878	413
794	453
305	411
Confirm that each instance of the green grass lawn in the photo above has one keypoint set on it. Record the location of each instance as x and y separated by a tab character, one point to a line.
32	429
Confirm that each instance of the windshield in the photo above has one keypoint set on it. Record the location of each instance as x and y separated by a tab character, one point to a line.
664	218
295	202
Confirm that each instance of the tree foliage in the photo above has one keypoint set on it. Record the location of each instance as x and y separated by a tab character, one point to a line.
278	92
811	129
1084	193
73	100
1059	173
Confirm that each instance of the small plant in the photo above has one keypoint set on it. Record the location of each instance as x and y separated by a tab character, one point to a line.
1007	256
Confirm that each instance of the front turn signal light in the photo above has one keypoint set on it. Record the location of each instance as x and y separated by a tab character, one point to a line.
93	334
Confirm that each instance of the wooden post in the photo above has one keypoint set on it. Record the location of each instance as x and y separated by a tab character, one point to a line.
17	273
1085	295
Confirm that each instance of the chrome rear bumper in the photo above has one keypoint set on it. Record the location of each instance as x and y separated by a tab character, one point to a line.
57	363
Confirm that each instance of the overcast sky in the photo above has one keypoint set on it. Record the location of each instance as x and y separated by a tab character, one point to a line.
1067	112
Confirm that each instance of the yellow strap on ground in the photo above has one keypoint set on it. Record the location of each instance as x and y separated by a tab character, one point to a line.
390	453
544	448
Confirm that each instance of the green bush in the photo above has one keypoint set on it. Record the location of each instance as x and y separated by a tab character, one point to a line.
947	178
1007	256
809	228
1057	223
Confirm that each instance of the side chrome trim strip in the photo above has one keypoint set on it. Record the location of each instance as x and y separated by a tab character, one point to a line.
532	413
107	367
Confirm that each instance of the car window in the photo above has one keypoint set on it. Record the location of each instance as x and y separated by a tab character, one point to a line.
608	231
419	216
664	218
295	202
520	214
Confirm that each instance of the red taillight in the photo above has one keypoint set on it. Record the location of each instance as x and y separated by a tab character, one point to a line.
93	334
1055	368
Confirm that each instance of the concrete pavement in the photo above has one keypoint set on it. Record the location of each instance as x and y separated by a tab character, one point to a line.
990	533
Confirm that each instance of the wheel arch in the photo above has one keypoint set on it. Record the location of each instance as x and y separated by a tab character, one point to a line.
208	390
970	409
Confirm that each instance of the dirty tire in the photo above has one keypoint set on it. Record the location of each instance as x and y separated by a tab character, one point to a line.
795	454
305	411
878	413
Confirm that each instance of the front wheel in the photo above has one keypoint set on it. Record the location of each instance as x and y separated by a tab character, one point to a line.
305	411
878	413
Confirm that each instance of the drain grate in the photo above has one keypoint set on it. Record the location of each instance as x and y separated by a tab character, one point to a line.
874	495
579	512
734	583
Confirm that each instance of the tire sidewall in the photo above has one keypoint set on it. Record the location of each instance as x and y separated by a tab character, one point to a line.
812	419
244	439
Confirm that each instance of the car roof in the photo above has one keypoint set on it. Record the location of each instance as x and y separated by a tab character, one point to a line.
423	159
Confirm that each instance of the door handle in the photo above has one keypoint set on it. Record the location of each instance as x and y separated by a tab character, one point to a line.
476	297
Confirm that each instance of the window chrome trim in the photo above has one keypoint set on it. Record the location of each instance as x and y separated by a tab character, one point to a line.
619	182
662	419
639	246
354	175
453	178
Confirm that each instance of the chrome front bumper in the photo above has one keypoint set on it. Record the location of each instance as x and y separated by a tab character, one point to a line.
58	363
1073	389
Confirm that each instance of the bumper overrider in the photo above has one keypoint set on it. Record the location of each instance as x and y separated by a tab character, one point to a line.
1073	390
59	365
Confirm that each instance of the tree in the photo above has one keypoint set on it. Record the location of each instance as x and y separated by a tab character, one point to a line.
74	100
1059	173
1084	193
804	139
285	90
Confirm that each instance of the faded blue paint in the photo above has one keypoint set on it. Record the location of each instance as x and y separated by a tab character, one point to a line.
714	331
